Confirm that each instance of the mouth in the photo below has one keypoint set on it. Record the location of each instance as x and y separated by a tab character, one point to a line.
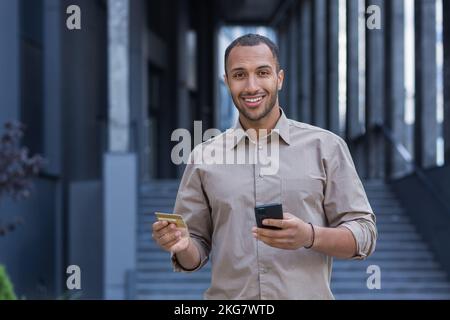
253	101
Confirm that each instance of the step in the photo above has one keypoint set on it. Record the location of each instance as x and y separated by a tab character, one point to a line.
386	265
150	210
389	255
388	275
156	202
403	236
161	276
383	201
385	285
381	246
171	286
393	296
393	218
407	227
389	211
164	265
145	295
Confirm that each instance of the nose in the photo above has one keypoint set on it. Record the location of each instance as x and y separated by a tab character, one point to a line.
252	84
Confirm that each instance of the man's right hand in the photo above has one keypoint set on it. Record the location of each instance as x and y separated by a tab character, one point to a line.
169	237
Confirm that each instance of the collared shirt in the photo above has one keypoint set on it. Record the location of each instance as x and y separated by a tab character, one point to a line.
312	175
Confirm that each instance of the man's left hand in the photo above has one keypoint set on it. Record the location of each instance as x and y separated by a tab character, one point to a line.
294	232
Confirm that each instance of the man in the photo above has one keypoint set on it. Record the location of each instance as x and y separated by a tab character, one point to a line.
326	211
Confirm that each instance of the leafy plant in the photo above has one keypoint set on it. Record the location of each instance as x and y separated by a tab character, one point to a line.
6	287
16	169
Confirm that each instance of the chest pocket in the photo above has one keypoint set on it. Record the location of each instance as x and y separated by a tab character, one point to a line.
302	197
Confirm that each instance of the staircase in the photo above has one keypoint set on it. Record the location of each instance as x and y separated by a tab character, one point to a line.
155	277
408	269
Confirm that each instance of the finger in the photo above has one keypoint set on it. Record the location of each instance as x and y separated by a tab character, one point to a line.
169	237
275	234
277	243
168	228
158	225
280	223
168	246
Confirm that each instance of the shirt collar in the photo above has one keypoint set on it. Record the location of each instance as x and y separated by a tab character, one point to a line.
281	128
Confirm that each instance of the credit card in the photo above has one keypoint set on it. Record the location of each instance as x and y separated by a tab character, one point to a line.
172	218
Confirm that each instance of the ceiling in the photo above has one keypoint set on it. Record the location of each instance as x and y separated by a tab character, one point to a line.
243	12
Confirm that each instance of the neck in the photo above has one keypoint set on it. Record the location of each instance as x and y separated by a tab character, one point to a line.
268	122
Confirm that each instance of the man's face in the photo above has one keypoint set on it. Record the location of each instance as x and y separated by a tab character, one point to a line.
253	80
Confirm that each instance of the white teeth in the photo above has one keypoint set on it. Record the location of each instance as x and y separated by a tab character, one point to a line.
254	100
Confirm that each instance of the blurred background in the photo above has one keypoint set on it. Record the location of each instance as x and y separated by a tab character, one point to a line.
100	103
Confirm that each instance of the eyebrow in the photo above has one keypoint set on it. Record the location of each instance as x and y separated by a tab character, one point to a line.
259	68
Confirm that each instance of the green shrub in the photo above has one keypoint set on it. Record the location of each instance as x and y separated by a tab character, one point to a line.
6	288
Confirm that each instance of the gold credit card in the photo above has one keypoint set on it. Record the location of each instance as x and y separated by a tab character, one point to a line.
172	218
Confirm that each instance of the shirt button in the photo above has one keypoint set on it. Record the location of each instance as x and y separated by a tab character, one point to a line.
260	147
261	175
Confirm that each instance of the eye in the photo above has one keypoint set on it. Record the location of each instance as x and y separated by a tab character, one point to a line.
264	73
238	75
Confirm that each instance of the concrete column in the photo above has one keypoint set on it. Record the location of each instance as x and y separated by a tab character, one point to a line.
425	127
333	66
375	69
118	75
293	64
9	62
305	50
184	119
53	127
119	165
205	61
283	95
395	84
353	127
352	124
446	39
138	70
52	85
319	62
119	223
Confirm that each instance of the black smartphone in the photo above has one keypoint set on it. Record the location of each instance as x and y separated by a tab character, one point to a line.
268	211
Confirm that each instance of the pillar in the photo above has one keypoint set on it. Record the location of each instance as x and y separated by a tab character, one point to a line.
119	164
395	85
319	62
333	66
305	50
425	126
375	69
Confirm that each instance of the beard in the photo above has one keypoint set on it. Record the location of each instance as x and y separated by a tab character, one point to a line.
267	108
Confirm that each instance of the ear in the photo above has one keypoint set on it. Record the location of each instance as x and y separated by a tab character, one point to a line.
225	79
280	77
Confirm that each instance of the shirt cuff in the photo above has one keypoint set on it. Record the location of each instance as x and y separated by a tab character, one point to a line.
177	267
365	235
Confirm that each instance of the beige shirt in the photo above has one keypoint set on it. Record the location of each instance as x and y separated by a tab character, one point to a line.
315	180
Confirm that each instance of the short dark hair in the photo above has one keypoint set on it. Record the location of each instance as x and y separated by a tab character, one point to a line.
250	40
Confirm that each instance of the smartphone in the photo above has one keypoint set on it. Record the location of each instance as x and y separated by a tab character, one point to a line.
268	211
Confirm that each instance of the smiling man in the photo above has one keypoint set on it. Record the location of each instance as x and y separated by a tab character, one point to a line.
326	211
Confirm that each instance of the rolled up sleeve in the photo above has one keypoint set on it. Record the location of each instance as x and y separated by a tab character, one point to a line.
192	203
345	201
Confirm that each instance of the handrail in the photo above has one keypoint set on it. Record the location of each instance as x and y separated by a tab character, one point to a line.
408	159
